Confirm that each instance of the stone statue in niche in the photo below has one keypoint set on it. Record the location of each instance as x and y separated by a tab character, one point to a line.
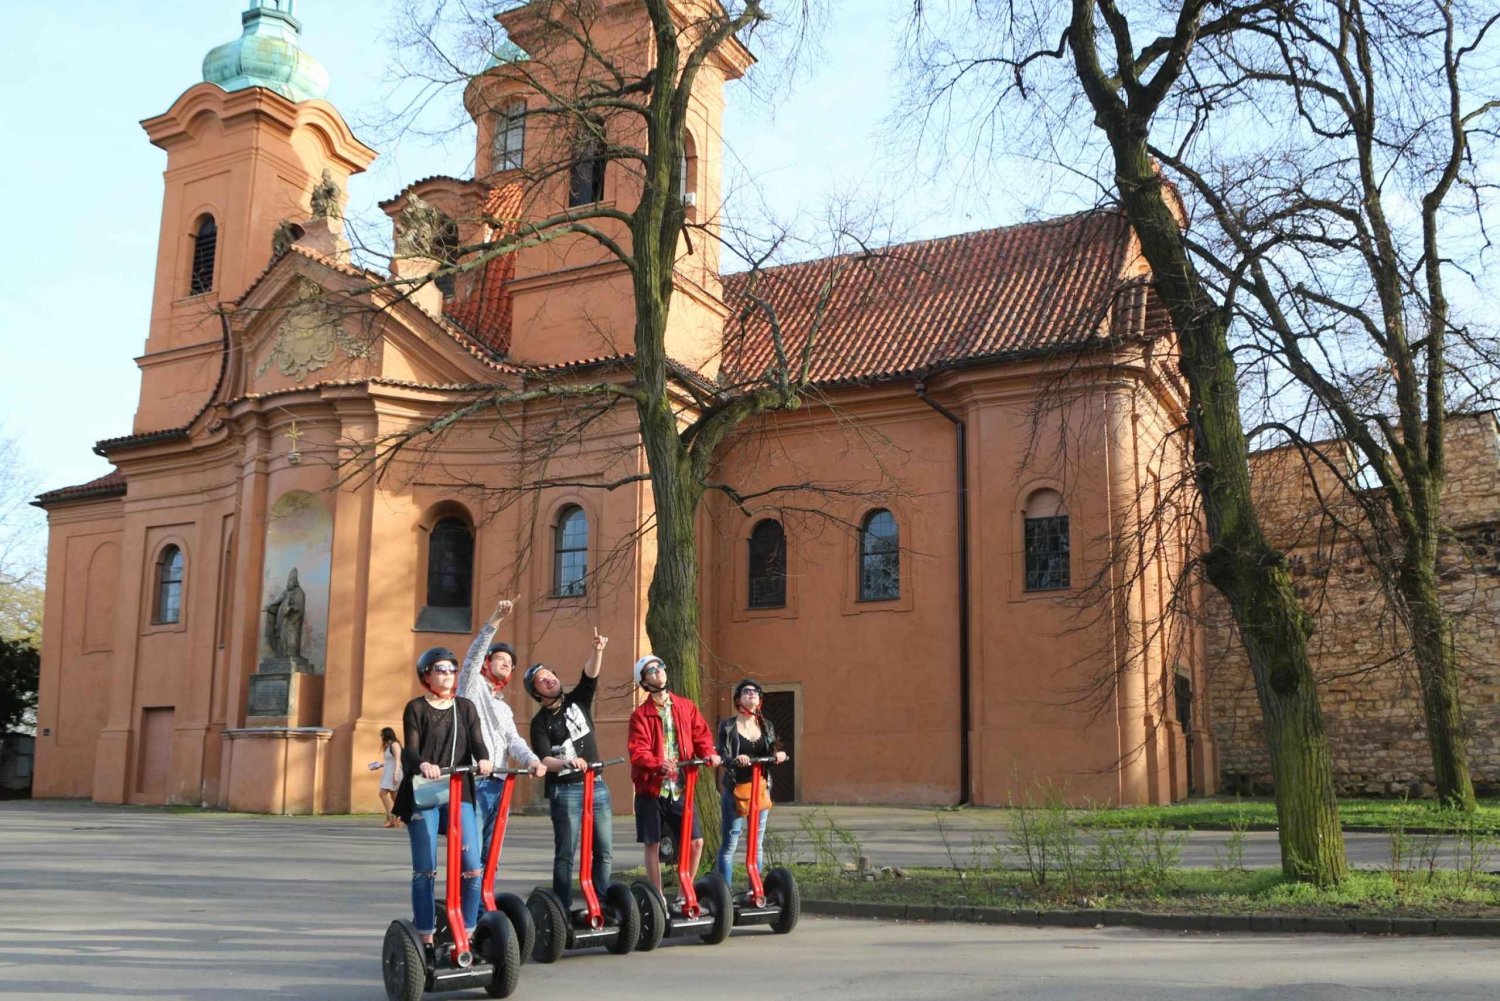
284	618
325	197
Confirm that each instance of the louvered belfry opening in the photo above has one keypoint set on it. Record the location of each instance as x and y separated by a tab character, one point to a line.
205	242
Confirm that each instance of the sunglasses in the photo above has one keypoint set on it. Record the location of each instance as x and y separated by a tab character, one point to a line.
750	691
442	669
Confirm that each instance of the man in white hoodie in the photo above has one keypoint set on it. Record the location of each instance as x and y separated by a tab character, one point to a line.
486	672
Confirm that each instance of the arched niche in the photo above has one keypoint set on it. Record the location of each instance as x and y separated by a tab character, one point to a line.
299	536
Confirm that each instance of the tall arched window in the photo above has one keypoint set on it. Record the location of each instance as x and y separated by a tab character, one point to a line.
450	564
205	245
586	178
768	565
508	150
168	606
879	557
1046	527
570	564
687	173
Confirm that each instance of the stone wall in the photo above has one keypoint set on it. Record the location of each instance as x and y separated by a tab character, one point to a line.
1367	683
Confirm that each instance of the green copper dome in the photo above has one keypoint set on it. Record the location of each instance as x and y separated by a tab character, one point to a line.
266	55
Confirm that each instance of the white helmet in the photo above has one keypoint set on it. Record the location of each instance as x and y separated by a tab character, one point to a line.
645	662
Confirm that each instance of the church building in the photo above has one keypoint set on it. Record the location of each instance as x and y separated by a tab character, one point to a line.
922	564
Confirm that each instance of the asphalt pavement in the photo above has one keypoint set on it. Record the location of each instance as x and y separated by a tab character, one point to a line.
118	902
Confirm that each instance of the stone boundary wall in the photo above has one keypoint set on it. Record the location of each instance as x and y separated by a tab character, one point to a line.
1368	686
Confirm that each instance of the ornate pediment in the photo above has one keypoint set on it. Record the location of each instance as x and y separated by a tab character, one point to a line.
308	336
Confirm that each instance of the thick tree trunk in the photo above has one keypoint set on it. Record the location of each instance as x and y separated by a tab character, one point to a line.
1240	563
1437	669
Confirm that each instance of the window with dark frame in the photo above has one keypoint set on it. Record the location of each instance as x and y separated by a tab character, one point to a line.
570	565
586	178
168	587
450	564
205	245
879	557
768	565
1047	567
508	150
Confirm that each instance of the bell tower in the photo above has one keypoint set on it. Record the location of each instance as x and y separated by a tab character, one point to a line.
571	296
245	149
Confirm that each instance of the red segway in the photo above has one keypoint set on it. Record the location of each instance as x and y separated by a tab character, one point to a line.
614	922
509	904
776	902
703	908
491	960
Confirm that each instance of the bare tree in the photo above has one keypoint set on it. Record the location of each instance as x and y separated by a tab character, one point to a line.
1334	236
1121	85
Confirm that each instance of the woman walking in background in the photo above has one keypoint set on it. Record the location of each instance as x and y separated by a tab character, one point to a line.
390	774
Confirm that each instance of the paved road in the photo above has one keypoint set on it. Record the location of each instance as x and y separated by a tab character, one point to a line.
131	903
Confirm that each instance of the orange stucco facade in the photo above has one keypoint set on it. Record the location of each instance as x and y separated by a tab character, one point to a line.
259	396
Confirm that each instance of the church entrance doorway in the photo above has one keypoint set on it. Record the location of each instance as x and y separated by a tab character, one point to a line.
780	709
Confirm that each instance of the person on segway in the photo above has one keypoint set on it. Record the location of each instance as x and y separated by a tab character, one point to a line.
442	731
486	672
664	730
562	734
745	735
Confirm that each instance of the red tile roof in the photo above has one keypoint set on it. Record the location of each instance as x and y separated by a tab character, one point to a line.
920	306
111	484
485	312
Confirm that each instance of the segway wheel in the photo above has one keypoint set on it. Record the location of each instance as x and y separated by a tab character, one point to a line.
620	910
713	894
653	915
551	923
496	942
401	963
514	908
781	890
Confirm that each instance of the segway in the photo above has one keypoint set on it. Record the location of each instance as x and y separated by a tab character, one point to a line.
776	902
614	922
491	960
703	908
509	904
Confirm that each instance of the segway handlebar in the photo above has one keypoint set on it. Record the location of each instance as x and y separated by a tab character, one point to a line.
498	773
769	759
593	766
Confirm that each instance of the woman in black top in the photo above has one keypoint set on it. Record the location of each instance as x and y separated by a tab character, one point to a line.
745	735
442	731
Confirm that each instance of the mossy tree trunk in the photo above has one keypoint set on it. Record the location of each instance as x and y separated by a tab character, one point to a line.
1240	562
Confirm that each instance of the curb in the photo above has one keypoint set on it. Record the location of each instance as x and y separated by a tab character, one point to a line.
1278	923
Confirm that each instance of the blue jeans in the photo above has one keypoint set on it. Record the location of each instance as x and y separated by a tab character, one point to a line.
487	805
567	814
422	831
733	825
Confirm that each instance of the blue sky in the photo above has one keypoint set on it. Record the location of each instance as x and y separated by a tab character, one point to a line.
84	185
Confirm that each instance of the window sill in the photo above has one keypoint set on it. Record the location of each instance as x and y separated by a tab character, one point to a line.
443	619
180	626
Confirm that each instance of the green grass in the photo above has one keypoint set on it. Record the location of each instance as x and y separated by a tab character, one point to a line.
1221	812
1255	891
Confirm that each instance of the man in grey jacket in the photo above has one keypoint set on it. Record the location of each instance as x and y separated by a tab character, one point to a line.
486	672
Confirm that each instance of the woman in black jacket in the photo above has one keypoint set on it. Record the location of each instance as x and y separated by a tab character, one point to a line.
745	735
442	731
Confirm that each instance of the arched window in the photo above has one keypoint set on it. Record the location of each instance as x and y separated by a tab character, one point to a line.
445	249
768	565
1046	523
586	178
205	245
508	149
570	564
879	557
168	586
450	564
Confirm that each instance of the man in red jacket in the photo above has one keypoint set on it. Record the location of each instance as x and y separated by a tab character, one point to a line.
664	730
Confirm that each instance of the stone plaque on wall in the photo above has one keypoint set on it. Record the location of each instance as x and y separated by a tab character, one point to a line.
270	695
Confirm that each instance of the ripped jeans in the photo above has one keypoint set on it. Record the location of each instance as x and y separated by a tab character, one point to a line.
423	830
